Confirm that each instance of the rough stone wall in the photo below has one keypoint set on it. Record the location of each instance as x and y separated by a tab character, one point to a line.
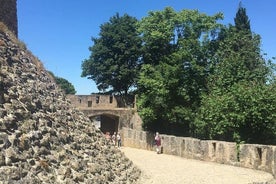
43	139
253	156
126	117
8	15
136	121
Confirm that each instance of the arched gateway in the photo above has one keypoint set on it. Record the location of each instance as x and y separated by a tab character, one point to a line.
108	113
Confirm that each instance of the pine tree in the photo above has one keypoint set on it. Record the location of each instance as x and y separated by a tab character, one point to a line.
242	21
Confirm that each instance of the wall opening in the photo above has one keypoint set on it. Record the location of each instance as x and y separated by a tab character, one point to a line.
214	148
89	103
106	123
97	99
259	150
111	99
109	123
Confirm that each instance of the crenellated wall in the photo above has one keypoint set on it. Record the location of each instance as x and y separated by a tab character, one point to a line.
8	15
253	156
98	101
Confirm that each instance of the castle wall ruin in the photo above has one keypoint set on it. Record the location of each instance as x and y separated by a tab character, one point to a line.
8	15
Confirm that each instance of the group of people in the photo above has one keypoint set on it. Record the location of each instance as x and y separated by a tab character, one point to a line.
115	138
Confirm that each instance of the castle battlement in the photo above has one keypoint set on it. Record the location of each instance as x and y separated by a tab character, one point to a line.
97	101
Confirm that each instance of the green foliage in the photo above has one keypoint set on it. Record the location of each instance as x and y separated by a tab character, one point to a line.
173	75
247	112
238	58
240	103
114	59
64	84
242	21
194	76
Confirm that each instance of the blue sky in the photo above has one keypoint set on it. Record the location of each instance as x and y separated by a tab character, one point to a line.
59	32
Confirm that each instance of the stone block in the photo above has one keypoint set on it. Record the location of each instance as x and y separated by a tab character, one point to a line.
250	155
191	148
207	148
226	152
173	145
256	156
267	161
273	165
150	141
165	141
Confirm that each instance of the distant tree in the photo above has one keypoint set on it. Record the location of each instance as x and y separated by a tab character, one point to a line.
115	56
64	84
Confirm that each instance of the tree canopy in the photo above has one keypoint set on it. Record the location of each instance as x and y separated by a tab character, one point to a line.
192	75
173	75
115	56
240	103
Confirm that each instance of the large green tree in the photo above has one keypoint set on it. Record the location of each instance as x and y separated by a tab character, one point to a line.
240	103
115	56
175	57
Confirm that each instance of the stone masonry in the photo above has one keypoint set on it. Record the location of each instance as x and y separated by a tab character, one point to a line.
122	109
43	139
8	15
253	156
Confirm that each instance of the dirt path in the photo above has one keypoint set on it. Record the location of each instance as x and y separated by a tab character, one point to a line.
168	169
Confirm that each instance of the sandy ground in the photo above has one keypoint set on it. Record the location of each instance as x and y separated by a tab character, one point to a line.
168	169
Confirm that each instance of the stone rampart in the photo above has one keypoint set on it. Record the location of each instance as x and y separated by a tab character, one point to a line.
253	156
43	138
8	15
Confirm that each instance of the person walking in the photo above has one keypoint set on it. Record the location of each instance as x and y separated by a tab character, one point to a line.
119	141
157	139
114	137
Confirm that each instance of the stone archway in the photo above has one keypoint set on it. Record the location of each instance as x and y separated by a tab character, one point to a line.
106	123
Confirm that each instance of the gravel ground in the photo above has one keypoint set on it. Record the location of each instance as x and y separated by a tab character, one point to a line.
168	169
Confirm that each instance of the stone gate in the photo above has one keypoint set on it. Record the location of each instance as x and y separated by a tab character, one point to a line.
110	113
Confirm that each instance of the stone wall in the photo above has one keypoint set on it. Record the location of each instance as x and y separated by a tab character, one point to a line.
93	101
8	15
43	138
98	101
253	156
106	105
